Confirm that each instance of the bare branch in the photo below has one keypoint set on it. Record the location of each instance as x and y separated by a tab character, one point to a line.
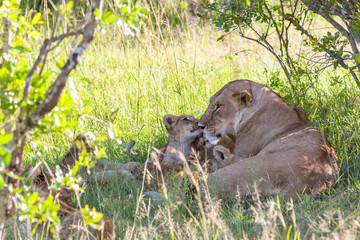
41	58
271	50
5	50
55	27
6	36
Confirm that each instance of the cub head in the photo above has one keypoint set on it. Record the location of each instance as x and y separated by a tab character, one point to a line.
222	154
40	182
184	127
225	110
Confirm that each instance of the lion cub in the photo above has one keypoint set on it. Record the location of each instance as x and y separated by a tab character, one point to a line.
223	157
102	171
70	216
185	140
184	134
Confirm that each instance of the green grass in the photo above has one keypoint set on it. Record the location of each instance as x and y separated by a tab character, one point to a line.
134	82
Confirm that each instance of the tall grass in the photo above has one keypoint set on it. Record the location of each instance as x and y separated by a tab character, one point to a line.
135	81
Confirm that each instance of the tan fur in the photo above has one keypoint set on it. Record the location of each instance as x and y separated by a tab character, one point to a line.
103	172
184	141
68	161
223	157
205	153
279	148
183	133
70	217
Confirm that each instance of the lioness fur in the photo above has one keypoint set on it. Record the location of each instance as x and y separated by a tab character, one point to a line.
277	147
70	216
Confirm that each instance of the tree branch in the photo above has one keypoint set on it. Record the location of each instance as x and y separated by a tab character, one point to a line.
52	96
44	50
326	8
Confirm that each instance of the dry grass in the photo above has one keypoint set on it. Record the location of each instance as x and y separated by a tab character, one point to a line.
133	82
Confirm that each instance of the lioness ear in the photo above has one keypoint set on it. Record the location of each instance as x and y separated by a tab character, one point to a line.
221	153
243	98
168	120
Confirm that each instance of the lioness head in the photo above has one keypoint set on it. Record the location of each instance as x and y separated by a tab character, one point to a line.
184	128
225	110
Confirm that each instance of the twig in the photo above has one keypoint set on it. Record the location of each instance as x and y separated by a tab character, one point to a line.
55	27
93	118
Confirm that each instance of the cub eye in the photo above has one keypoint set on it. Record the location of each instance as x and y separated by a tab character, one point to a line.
186	119
217	107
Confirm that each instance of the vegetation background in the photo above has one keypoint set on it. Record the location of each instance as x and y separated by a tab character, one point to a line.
171	62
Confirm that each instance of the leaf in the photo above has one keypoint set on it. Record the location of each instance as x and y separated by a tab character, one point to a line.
292	106
22	49
96	12
108	17
100	153
343	64
33	198
221	37
7	158
98	217
2	182
6	138
276	7
69	5
357	59
36	18
34	34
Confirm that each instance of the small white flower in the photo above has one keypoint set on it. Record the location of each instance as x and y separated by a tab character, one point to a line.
90	135
119	23
57	121
33	145
127	31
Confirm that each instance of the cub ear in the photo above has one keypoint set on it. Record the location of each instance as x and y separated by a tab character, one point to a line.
168	121
242	98
221	153
35	172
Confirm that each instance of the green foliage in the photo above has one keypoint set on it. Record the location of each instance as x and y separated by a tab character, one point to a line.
44	212
132	87
39	211
257	20
15	72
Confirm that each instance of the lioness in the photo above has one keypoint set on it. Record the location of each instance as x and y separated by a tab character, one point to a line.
279	148
70	217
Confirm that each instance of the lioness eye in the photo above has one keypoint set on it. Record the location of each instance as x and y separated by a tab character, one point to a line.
186	119
217	107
